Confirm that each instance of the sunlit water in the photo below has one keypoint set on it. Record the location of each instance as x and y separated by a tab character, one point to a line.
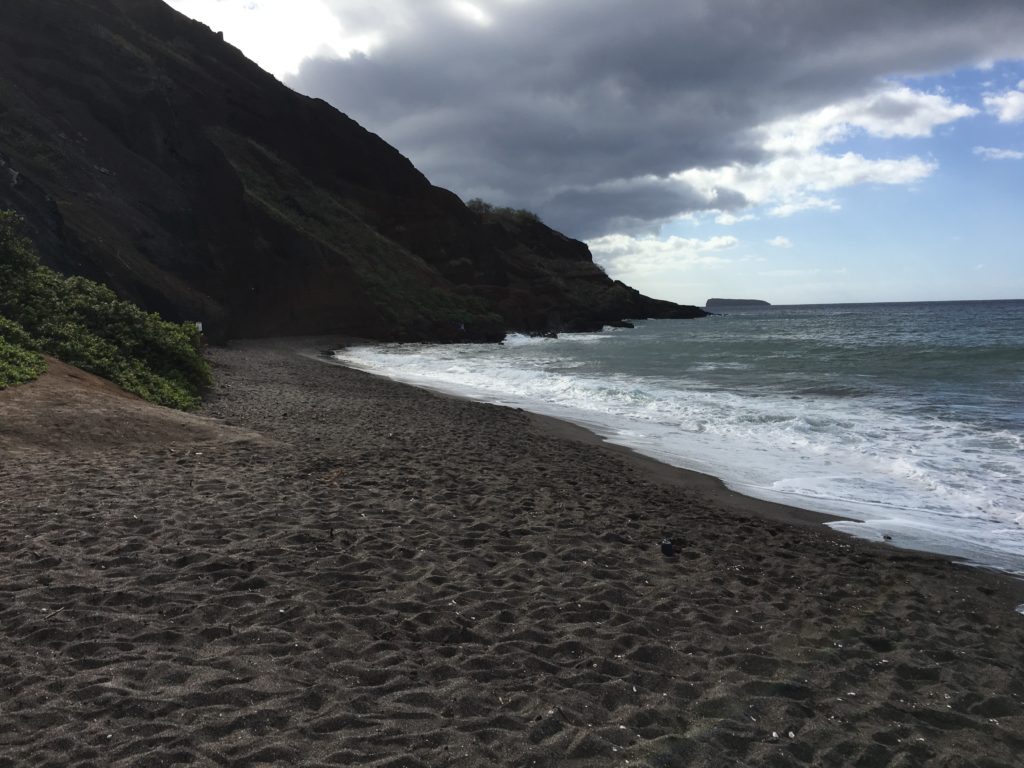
906	418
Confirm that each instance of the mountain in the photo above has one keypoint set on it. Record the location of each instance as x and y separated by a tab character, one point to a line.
146	153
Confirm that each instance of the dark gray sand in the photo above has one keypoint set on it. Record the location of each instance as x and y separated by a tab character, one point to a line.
329	568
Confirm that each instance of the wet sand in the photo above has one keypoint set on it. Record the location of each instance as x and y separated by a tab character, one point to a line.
328	568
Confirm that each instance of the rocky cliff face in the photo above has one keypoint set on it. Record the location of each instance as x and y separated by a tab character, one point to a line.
147	153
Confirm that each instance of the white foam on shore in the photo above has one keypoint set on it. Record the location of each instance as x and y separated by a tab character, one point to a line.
928	484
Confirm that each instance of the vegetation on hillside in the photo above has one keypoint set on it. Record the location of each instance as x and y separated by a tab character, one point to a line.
518	215
18	362
405	292
84	324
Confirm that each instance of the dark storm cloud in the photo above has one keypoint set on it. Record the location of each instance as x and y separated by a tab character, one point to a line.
579	109
635	207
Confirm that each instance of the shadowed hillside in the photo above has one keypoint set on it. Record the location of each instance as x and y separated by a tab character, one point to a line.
147	153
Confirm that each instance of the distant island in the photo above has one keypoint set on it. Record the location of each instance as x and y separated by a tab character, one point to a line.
720	303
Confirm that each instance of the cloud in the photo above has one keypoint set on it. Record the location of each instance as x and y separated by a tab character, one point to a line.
993	153
780	242
799	170
803	203
279	36
727	219
1008	106
791	182
633	206
623	254
890	112
561	107
474	13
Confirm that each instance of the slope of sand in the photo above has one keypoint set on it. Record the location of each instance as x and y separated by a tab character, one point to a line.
327	568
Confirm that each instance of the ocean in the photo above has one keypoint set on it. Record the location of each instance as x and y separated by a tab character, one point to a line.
906	419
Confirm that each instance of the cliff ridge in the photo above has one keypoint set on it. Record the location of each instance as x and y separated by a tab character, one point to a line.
148	154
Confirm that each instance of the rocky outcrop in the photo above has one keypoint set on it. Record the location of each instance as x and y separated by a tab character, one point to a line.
147	153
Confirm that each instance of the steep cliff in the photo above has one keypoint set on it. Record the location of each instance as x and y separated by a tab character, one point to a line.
147	153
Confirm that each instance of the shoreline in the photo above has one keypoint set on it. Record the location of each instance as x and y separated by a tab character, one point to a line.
660	470
715	488
665	472
710	486
326	567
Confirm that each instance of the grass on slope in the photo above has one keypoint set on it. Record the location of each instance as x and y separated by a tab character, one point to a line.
84	324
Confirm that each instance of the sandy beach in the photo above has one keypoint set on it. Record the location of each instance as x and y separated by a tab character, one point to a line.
325	568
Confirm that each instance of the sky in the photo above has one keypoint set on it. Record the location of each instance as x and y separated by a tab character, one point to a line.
796	151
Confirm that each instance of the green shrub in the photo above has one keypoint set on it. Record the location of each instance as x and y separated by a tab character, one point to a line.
476	205
14	334
517	215
84	324
16	252
19	363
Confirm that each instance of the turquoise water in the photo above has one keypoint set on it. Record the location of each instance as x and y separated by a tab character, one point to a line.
906	418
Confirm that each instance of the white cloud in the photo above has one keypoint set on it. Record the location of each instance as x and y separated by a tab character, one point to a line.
891	112
780	242
994	153
727	219
279	36
472	12
623	254
1008	107
793	182
798	170
808	203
